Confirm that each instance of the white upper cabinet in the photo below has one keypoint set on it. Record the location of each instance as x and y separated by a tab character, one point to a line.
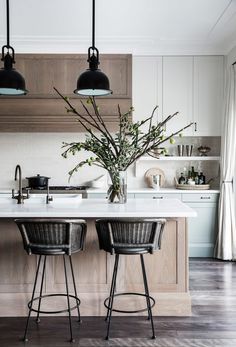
191	85
147	86
178	92
208	95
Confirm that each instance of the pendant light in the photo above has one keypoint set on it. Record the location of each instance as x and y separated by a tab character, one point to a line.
93	82
11	81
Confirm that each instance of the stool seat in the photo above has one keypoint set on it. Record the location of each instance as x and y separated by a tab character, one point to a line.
50	237
129	237
131	250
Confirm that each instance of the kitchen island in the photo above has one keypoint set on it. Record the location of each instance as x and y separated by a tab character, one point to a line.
167	269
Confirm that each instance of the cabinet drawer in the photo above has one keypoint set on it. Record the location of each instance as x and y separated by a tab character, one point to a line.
200	197
157	196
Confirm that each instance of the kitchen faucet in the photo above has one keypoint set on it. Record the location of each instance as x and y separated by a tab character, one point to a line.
20	197
48	197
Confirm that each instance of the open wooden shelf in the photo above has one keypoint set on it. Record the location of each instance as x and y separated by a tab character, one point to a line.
175	158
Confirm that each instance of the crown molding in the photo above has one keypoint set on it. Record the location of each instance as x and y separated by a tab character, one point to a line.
134	45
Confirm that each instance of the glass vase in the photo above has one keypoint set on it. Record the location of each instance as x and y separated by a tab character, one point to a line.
117	191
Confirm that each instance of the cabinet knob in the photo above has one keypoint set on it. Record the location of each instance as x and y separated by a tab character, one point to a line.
205	197
195	126
157	197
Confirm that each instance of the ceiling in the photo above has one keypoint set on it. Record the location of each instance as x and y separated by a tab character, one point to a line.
131	26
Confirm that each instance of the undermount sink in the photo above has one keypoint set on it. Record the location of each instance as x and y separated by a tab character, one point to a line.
41	199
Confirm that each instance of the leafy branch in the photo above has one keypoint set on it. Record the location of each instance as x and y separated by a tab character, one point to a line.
118	151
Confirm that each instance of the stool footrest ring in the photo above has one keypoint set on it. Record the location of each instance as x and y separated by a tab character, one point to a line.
127	311
53	312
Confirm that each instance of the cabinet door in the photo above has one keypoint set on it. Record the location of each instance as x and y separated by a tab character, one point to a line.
158	196
178	92
202	229
208	95
147	86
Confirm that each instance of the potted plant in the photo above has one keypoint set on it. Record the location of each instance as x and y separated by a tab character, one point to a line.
116	152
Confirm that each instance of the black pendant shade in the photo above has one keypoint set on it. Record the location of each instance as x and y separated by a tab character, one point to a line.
11	81
93	82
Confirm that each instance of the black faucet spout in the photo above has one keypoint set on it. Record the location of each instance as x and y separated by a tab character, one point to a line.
20	196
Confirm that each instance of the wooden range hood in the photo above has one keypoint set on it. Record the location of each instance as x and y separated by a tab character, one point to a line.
43	111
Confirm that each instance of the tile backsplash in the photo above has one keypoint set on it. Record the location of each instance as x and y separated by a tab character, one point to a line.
41	153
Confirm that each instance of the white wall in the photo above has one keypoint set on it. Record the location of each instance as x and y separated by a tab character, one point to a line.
141	27
40	153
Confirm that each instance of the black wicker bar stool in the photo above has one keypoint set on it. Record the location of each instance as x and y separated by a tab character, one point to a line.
50	237
129	237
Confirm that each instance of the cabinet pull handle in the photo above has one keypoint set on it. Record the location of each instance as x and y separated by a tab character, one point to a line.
195	126
205	197
157	197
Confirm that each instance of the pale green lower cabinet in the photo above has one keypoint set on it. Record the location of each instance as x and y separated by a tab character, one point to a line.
201	229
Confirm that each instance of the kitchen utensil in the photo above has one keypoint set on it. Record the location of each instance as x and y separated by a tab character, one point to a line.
37	181
156	179
154	172
189	150
180	150
204	150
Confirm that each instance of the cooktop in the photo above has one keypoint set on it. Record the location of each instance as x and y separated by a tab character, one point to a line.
66	188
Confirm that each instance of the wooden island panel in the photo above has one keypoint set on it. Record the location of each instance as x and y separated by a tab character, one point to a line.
167	272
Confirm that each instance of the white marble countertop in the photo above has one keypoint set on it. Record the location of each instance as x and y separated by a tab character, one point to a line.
140	190
155	191
96	208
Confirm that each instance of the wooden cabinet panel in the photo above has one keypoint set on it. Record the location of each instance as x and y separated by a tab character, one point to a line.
17	269
161	268
43	111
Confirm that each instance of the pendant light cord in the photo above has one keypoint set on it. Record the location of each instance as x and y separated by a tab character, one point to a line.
8	24
93	25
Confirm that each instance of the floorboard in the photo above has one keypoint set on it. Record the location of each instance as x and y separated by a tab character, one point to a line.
213	323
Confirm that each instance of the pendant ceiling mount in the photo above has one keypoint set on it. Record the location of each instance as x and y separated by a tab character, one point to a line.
93	82
11	81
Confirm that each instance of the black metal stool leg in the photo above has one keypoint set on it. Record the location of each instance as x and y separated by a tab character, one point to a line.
112	285
145	287
147	293
41	289
112	295
31	302
75	290
68	300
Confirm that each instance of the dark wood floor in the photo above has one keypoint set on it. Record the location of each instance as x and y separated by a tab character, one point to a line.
213	323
